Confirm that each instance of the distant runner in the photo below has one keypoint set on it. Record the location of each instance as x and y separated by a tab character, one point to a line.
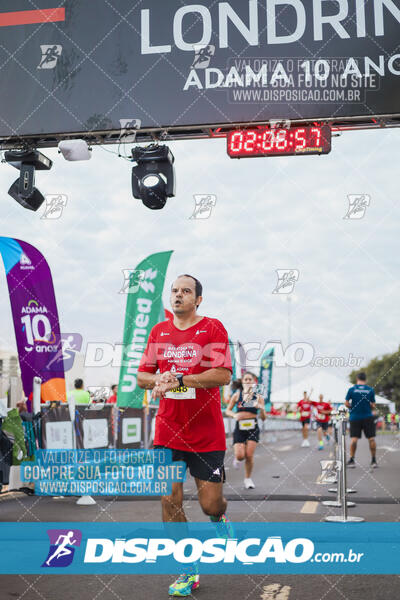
323	417
304	406
193	356
360	399
247	433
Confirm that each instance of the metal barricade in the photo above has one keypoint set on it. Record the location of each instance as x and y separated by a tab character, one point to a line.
337	451
341	501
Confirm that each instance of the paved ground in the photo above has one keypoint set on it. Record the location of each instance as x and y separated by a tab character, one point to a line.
287	490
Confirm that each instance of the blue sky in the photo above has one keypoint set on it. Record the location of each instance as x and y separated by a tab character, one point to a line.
270	213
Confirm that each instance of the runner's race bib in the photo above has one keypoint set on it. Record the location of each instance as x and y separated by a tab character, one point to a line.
305	413
246	424
181	393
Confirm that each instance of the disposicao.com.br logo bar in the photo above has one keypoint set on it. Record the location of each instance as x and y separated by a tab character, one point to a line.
149	548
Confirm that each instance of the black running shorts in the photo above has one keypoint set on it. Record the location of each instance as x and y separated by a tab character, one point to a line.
305	422
207	466
363	425
323	424
242	436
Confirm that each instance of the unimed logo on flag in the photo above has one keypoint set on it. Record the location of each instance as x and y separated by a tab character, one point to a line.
62	547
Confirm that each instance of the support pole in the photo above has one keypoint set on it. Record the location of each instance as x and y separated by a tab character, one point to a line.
340	459
337	451
343	518
37	386
83	500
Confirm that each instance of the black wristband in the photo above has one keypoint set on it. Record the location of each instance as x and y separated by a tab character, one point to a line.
180	379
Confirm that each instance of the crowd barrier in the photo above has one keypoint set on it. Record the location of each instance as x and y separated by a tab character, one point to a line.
99	426
112	427
336	470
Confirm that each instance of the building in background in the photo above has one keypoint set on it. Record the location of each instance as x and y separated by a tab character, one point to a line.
10	377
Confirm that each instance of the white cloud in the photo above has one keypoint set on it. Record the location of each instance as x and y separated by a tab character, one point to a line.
270	214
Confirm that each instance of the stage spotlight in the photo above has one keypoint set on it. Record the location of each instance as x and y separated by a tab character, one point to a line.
23	189
153	178
74	150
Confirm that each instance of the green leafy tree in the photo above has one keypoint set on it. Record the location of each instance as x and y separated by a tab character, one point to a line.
383	374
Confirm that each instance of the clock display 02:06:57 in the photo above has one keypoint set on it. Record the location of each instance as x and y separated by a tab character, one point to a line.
279	142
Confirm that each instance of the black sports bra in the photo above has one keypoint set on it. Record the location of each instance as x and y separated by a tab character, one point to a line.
242	406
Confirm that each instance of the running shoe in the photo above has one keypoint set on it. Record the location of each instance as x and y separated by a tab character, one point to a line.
374	464
224	527
236	463
321	445
305	444
351	463
184	585
248	484
327	437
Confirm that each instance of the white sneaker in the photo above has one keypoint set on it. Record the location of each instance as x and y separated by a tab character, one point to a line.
305	444
248	484
236	463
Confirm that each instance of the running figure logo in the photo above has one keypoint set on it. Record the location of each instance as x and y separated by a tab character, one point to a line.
98	393
55	204
286	281
202	56
50	56
357	206
204	204
71	343
276	124
129	128
132	281
62	547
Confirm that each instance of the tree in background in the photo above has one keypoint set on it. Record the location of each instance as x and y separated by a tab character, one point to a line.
383	374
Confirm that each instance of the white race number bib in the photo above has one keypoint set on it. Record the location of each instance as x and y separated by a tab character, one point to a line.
181	393
246	424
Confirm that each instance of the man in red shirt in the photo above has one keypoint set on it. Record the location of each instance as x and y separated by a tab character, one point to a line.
323	417
304	406
113	398
193	358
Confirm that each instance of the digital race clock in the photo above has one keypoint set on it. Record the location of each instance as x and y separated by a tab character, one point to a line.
315	139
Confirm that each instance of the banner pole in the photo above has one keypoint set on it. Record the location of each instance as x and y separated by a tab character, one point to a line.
37	385
83	500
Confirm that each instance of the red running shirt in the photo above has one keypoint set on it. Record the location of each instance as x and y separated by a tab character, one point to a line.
194	424
304	406
321	417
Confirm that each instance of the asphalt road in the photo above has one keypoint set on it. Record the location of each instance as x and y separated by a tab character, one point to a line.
287	490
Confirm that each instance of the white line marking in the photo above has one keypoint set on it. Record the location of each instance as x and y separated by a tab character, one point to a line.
309	507
275	591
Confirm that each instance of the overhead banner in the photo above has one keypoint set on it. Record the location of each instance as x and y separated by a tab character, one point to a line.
34	310
216	63
267	362
143	308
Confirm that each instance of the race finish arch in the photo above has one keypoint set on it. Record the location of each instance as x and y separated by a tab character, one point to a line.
96	70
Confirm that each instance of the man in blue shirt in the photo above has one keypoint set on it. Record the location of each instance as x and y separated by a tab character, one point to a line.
360	399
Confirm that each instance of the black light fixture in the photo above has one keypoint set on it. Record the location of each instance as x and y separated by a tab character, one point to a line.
23	189
153	178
